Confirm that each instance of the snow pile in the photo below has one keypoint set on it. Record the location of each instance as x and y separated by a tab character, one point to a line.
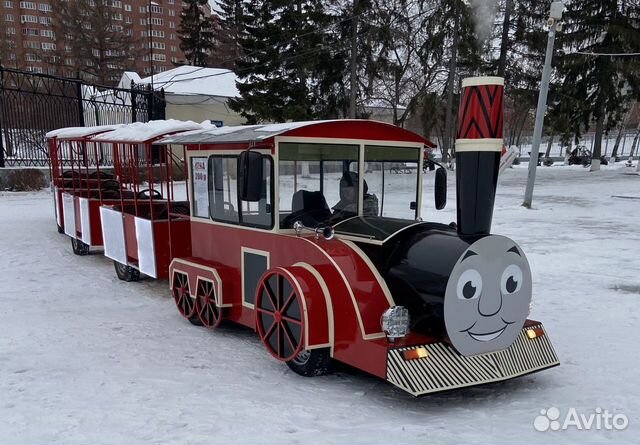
192	80
146	131
80	132
288	126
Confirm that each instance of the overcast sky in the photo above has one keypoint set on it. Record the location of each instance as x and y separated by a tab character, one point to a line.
213	4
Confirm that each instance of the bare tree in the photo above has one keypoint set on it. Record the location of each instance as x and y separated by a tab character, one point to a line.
7	49
408	62
634	144
621	128
93	40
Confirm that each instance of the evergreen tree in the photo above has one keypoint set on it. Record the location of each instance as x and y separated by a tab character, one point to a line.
290	66
521	60
196	33
450	52
228	34
599	87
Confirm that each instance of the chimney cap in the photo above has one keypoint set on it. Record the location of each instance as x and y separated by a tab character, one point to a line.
483	80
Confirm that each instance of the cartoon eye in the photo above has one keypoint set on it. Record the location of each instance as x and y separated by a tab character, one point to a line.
511	280
469	285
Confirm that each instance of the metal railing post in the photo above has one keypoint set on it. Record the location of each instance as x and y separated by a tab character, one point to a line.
1	131
134	102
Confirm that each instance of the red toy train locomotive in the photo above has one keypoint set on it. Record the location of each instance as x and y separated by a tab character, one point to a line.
290	234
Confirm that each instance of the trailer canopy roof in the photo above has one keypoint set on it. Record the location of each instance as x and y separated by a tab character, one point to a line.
329	129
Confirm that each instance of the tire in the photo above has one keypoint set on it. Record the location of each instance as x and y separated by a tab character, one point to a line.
312	363
126	273
79	248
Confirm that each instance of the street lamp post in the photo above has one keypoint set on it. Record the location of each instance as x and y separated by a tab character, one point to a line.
555	14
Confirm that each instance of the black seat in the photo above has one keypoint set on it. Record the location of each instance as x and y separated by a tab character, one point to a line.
310	208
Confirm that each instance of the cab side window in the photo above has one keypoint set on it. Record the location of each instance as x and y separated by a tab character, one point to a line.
260	214
223	189
225	204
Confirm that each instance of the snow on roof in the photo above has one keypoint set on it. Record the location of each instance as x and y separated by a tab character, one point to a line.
237	133
193	80
145	131
128	77
279	128
80	132
133	76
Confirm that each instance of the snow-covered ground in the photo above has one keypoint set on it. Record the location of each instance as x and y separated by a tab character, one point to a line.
85	358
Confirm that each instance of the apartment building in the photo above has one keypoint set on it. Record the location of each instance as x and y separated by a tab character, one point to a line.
27	32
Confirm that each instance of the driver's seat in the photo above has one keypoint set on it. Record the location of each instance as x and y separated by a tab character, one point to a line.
310	208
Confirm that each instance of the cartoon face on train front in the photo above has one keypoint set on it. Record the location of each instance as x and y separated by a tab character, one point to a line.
488	296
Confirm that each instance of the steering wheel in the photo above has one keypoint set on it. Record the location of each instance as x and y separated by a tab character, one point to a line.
142	194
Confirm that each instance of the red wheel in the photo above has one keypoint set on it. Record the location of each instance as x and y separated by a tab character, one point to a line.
279	315
208	304
181	295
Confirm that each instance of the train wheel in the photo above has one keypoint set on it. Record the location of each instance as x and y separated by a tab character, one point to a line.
79	248
126	273
181	295
279	316
207	304
311	363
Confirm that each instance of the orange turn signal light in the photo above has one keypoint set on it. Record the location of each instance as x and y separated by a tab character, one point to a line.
534	333
415	354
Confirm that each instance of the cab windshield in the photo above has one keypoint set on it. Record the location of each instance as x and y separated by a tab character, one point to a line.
391	175
320	183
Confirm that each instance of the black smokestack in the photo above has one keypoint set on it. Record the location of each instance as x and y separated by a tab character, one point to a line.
478	150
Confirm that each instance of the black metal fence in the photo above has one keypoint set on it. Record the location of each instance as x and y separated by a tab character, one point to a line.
33	104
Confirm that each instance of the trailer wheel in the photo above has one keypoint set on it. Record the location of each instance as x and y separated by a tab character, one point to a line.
279	316
126	273
181	295
311	363
207	305
79	247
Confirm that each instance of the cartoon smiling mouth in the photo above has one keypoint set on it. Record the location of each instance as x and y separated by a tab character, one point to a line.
487	336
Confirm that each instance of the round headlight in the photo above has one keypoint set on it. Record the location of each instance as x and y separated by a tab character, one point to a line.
395	322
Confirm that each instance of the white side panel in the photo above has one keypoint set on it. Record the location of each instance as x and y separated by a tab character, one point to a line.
113	235
146	247
56	206
69	215
507	159
85	222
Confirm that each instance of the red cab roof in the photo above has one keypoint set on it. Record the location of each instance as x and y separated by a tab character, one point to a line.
329	129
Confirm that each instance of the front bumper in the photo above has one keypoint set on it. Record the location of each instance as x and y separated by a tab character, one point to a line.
445	369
